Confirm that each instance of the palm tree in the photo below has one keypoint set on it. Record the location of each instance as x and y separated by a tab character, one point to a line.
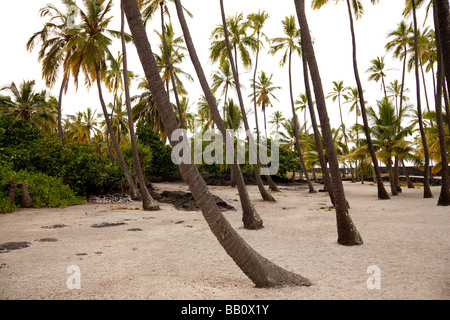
54	53
443	27
426	185
399	45
291	44
336	94
276	120
263	93
389	135
150	9
257	21
441	34
239	40
28	106
396	91
377	72
90	52
223	78
347	232
250	216
358	11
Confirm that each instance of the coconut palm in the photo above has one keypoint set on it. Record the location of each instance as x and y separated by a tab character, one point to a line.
347	232
290	44
426	186
90	51
29	106
224	79
238	28
377	72
240	42
54	53
264	89
276	120
358	10
389	135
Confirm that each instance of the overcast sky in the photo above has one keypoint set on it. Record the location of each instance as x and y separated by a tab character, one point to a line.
19	19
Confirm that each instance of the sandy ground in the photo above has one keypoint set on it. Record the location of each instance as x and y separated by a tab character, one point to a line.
172	254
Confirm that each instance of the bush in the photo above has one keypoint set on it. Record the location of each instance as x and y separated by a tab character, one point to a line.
161	164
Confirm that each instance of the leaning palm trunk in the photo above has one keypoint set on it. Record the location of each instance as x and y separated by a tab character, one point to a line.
444	197
323	163
347	232
264	193
382	193
297	136
133	190
250	216
262	272
426	181
148	203
61	92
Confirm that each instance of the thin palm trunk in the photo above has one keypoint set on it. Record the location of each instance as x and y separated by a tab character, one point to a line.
169	65
264	193
61	92
408	179
133	190
148	203
261	271
345	136
296	133
444	196
323	163
382	193
346	229
272	185
426	183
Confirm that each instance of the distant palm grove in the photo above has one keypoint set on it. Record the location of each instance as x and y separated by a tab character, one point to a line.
51	159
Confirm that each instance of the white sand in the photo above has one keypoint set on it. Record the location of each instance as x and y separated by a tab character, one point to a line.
407	237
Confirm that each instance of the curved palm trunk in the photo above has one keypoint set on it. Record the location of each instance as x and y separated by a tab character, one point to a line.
135	195
426	181
148	203
61	92
323	163
297	136
347	232
264	193
444	196
382	193
262	272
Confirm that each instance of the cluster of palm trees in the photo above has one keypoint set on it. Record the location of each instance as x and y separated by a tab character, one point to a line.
386	133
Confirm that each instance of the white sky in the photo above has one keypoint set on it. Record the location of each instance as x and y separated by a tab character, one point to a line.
19	19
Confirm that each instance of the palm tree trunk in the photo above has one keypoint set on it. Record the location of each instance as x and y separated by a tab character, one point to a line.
61	92
262	272
296	133
394	191
408	179
264	193
250	216
382	193
133	190
169	65
347	232
148	203
444	196
426	183
323	163
345	136
447	107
